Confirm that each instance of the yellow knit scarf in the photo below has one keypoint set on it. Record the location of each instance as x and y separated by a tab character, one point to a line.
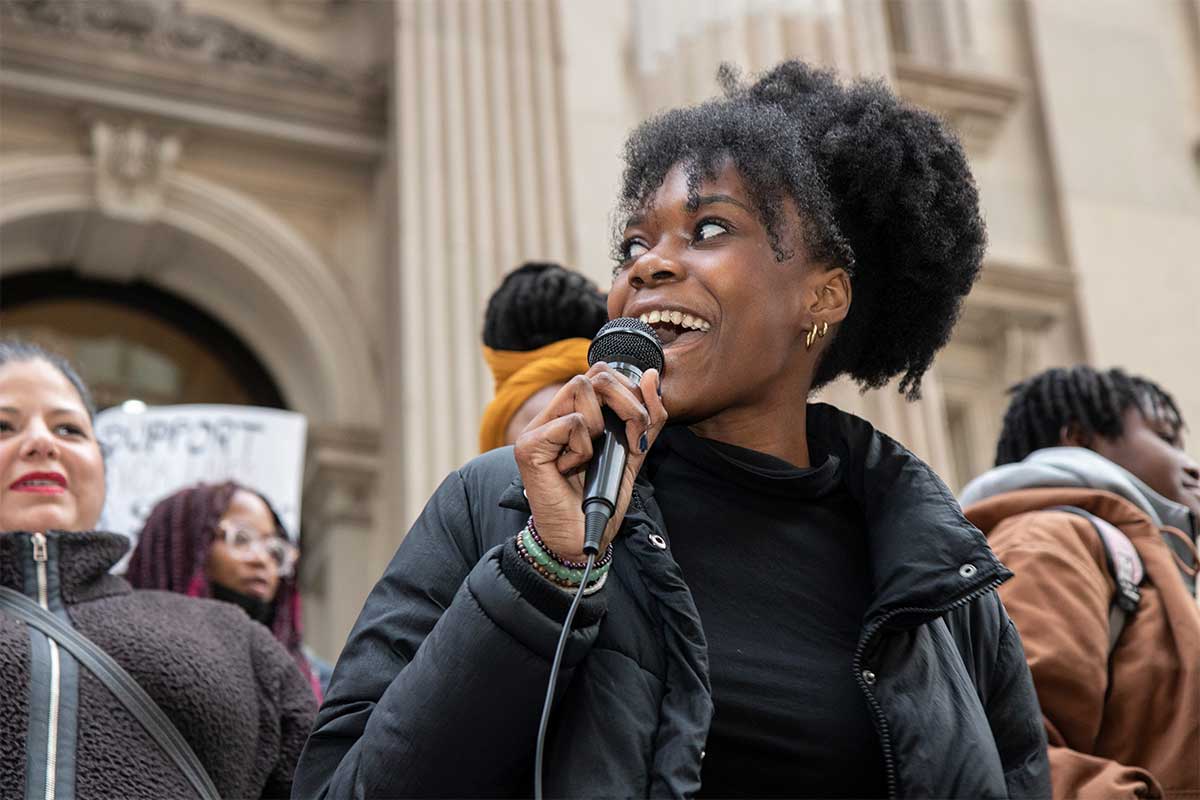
519	374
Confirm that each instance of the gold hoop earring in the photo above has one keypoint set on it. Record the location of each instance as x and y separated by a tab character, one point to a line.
815	333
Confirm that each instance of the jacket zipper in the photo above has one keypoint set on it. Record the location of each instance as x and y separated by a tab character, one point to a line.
41	557
885	741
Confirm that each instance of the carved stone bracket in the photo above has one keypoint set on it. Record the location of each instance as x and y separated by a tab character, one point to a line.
977	106
133	163
1011	309
341	474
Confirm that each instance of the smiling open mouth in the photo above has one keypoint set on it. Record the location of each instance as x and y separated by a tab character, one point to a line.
675	326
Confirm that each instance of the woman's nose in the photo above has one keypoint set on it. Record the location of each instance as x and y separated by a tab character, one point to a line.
655	268
255	556
39	441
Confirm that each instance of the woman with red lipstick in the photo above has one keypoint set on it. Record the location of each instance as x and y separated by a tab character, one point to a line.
226	685
788	603
225	541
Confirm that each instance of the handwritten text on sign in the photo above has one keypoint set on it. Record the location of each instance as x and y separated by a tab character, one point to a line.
153	454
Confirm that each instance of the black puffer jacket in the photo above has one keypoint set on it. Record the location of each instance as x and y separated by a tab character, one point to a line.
229	687
440	686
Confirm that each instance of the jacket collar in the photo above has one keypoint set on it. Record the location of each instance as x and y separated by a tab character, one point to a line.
81	561
1078	468
925	555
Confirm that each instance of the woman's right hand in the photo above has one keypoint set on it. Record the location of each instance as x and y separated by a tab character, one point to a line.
554	450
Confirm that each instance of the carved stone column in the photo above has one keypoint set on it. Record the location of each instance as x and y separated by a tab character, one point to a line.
339	564
480	186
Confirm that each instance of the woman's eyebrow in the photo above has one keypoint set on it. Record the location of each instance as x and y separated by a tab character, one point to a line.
712	199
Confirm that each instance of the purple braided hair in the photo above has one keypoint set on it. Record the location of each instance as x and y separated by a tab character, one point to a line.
172	555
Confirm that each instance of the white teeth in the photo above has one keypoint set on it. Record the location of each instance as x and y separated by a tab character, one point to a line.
676	318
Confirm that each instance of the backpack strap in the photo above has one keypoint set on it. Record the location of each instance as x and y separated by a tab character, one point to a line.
1125	566
119	682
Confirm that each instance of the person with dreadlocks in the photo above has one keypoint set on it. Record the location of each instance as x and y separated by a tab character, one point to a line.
787	602
225	685
1093	503
225	541
536	332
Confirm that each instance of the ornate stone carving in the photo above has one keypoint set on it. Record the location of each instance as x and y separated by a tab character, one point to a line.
163	28
975	105
132	167
341	475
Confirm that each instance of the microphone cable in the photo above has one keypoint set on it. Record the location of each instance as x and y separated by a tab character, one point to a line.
554	668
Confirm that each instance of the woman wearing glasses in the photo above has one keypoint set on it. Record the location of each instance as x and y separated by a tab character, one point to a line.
226	542
222	682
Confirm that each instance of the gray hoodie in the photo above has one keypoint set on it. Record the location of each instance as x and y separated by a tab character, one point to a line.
1078	467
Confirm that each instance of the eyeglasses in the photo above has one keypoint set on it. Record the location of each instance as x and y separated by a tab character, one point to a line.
243	541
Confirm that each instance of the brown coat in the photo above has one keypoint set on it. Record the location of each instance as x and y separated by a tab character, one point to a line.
1141	736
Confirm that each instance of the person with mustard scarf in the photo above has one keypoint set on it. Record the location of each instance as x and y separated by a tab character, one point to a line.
536	333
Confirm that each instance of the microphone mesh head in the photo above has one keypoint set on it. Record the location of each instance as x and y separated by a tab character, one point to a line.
629	341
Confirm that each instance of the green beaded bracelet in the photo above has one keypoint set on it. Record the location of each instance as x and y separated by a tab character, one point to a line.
539	556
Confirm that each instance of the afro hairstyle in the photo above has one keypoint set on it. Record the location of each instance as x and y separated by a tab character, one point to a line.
883	190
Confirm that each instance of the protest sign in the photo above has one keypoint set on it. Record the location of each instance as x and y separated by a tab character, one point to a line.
153	453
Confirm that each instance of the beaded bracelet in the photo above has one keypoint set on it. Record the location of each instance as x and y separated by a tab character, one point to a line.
547	563
600	562
570	588
544	559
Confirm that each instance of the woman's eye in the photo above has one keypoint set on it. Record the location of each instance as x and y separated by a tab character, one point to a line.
709	229
633	249
6	426
68	430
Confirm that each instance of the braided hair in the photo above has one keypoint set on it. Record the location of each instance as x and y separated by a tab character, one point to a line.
1091	401
540	303
883	190
172	555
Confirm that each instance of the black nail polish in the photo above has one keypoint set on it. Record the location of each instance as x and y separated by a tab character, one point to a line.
658	386
644	443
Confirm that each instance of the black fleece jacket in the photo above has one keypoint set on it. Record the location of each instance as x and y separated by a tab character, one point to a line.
230	688
440	685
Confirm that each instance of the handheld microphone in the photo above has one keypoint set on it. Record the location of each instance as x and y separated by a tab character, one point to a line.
630	347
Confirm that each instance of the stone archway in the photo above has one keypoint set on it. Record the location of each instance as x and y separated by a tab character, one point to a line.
227	254
214	247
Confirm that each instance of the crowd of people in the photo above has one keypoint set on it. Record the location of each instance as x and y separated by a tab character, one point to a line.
786	602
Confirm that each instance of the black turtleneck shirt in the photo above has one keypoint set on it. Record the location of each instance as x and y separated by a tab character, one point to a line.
775	557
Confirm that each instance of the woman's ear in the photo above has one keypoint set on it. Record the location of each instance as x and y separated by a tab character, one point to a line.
1072	435
831	296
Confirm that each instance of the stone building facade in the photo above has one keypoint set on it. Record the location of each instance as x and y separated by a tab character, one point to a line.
306	203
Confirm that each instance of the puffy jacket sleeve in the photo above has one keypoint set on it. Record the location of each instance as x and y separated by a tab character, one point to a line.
1059	599
1012	711
439	689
